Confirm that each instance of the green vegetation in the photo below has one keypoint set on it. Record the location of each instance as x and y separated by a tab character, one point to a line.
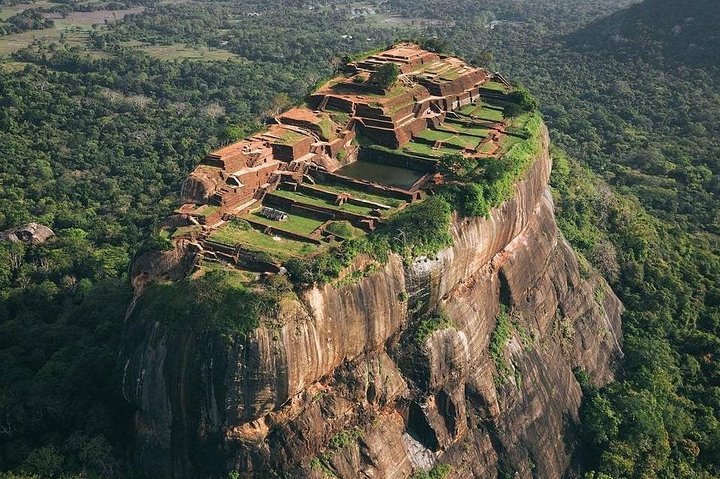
361	195
500	175
435	321
478	188
239	232
498	340
421	229
307	198
216	302
301	225
438	471
344	229
385	76
96	137
345	438
186	52
659	415
520	101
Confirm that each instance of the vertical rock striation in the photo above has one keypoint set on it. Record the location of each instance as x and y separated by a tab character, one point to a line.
341	385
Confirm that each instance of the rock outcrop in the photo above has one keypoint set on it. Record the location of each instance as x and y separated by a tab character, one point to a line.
339	384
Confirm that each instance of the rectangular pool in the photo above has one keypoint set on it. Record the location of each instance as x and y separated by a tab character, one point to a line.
386	175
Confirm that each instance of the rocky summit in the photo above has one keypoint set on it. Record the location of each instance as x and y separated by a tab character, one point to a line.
374	286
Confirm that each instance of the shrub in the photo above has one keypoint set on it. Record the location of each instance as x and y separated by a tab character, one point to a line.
498	339
438	471
523	99
215	302
385	76
421	229
436	321
343	229
467	198
344	439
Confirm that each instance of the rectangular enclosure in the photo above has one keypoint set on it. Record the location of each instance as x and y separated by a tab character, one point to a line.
388	175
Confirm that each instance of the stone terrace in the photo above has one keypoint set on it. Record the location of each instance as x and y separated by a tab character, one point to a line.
299	163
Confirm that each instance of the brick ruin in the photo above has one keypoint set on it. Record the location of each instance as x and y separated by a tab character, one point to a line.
307	144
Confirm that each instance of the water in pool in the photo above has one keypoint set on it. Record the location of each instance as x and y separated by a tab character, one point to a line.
383	174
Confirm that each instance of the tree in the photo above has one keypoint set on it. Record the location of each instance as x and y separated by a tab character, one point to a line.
484	58
385	76
456	166
523	100
434	44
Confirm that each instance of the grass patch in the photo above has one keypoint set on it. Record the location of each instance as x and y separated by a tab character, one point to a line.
295	223
344	229
495	86
427	150
487	113
309	199
238	232
7	11
361	195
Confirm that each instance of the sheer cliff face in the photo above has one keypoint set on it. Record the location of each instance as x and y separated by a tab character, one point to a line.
338	384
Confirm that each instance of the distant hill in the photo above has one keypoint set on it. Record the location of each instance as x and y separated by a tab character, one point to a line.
667	31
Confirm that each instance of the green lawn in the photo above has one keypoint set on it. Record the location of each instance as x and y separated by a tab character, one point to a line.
487	147
487	113
295	223
308	199
464	141
493	85
278	247
466	128
455	137
361	195
435	135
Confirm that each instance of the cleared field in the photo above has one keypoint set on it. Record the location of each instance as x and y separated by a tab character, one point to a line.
278	247
181	52
13	66
307	199
178	51
75	27
7	11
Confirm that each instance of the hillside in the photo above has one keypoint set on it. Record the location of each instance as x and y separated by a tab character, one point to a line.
671	32
432	340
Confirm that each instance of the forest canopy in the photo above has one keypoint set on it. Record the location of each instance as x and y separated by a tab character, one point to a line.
98	127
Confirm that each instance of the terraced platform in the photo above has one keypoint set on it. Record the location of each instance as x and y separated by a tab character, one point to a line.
339	167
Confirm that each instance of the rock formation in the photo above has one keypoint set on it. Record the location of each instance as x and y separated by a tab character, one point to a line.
339	383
